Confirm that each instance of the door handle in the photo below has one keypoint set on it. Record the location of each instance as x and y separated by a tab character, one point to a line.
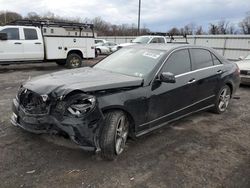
219	71
17	43
38	43
191	81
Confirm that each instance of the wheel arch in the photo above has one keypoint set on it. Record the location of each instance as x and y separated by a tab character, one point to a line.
230	85
99	49
75	51
128	114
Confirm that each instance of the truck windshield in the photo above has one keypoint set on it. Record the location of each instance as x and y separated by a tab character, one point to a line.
132	61
141	40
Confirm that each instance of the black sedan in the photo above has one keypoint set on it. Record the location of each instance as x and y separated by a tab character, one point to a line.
130	93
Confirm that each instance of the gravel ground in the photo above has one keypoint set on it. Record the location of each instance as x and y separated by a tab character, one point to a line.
202	150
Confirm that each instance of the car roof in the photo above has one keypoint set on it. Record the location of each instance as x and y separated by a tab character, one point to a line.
165	46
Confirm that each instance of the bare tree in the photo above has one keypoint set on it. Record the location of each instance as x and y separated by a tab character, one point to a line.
231	29
32	16
199	30
189	29
223	27
245	24
213	29
174	31
144	30
7	16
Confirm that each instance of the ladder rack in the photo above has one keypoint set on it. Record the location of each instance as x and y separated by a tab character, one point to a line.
50	23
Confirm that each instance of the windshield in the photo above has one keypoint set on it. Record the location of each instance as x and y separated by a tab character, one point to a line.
141	40
131	61
248	57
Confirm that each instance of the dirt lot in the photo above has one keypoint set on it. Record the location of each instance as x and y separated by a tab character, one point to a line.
203	150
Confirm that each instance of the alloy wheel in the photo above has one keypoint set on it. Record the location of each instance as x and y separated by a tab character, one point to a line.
224	99
121	135
75	62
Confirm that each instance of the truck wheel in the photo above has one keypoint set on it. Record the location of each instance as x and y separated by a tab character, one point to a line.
73	61
222	100
98	52
114	134
61	62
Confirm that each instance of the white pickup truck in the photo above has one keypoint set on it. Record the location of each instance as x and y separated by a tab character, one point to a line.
146	39
64	43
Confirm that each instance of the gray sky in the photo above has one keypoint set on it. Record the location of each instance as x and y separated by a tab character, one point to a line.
157	15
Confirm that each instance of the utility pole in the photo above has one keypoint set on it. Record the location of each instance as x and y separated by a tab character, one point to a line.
139	18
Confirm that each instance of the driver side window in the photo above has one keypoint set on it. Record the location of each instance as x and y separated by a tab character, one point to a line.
12	33
178	62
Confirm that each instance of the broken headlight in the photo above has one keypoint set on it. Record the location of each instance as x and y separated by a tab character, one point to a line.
81	106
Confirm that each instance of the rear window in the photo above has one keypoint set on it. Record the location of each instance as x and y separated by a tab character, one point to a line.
201	58
30	34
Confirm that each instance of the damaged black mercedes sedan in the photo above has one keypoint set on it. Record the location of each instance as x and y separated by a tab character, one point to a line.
129	93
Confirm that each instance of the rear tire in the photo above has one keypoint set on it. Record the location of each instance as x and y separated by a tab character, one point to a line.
114	134
73	61
222	100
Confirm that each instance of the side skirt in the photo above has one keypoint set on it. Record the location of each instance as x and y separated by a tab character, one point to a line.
165	123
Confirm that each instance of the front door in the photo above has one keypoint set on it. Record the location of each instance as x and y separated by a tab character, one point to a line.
171	100
12	48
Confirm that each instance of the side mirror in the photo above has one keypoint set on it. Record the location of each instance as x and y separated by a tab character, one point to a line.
3	36
167	77
241	57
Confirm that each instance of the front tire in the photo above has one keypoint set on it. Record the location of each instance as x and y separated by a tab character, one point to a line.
114	134
222	100
73	61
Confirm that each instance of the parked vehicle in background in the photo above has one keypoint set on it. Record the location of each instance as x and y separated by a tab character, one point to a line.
100	41
105	48
244	65
131	92
146	39
65	43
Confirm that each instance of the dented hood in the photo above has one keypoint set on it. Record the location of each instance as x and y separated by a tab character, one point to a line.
85	79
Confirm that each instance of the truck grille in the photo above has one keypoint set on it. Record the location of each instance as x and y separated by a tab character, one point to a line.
32	102
245	72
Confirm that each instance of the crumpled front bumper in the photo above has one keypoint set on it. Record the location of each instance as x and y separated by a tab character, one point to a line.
85	131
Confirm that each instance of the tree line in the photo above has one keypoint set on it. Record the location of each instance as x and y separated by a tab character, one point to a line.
104	28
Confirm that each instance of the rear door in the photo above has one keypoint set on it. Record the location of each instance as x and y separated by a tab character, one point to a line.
207	73
12	48
33	44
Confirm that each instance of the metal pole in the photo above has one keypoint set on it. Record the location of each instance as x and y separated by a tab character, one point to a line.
139	18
